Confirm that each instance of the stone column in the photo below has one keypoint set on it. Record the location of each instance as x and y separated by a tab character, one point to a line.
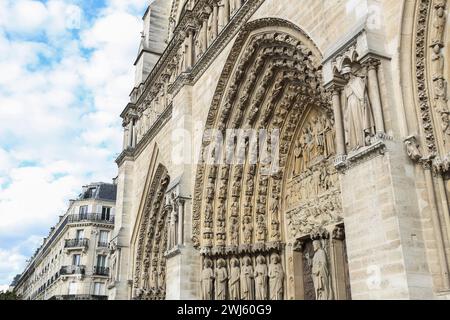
130	134
226	12
338	122
436	225
204	34
337	263
444	203
190	48
180	221
294	271
126	133
215	20
374	94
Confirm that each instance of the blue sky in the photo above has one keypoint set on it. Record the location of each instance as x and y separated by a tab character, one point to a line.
66	72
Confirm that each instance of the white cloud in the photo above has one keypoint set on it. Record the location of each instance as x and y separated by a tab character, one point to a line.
11	263
59	109
26	17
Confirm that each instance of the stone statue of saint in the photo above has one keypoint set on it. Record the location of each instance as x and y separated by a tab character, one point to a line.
173	227
320	272
207	280
221	280
330	137
359	121
298	154
248	229
234	282
276	277
261	278
247	288
439	25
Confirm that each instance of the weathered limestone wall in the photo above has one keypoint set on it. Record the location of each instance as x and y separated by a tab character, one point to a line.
390	239
383	227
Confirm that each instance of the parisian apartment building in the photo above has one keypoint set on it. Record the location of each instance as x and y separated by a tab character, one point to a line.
72	262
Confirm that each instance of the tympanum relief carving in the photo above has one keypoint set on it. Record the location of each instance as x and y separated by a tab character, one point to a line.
312	194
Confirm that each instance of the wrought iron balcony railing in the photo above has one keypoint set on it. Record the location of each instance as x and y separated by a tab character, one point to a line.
91	217
101	271
102	244
67	270
77	243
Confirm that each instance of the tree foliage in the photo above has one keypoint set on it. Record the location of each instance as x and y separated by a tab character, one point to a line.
8	295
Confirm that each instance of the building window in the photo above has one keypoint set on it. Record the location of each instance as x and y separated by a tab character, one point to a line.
101	261
103	238
106	213
73	288
79	234
76	260
83	211
99	289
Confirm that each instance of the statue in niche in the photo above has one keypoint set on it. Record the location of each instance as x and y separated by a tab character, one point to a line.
146	281
261	235
247	229
276	278
441	100
317	132
248	291
173	224
207	280
437	60
330	137
221	15
221	280
235	275
234	231
198	45
320	273
299	161
210	32
439	24
359	121
261	278
181	59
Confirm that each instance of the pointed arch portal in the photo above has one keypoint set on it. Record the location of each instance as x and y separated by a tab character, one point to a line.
255	220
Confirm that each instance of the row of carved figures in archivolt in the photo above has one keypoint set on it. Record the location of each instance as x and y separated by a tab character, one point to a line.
246	277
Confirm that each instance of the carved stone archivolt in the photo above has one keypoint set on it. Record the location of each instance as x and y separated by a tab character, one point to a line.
150	261
244	193
432	82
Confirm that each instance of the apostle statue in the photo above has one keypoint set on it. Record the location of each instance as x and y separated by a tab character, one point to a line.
207	280
359	121
173	223
261	278
276	277
247	289
221	280
320	272
235	274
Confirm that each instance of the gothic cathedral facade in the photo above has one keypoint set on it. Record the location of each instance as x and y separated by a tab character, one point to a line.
286	149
